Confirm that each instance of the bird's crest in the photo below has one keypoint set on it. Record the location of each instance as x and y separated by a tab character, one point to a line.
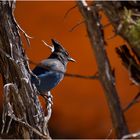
57	46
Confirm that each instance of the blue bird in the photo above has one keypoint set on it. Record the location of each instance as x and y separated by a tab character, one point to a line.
48	70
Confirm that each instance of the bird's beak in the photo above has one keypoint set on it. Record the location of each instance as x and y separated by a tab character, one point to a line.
71	59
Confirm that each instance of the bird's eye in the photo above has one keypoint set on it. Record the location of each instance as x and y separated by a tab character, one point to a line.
65	53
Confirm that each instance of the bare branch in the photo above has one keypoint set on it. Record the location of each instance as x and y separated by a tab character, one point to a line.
27	37
33	129
68	11
92	77
132	136
51	47
96	36
134	101
75	26
109	134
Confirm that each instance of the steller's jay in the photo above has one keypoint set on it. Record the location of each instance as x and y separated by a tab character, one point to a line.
51	70
49	73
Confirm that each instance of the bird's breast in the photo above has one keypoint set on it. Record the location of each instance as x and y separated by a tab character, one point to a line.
48	80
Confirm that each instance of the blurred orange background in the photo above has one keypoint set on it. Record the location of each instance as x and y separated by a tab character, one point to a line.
80	109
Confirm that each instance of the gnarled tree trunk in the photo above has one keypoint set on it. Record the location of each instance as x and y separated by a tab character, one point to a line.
21	103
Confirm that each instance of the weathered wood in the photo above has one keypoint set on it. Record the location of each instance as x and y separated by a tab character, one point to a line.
20	96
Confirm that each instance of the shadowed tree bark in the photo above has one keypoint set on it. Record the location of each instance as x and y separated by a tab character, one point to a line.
21	103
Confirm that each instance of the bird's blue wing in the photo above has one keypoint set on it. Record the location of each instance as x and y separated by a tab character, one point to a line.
48	78
39	70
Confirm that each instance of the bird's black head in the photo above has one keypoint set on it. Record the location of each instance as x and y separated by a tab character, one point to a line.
60	53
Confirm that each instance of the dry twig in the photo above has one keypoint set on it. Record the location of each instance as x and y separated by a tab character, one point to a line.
134	101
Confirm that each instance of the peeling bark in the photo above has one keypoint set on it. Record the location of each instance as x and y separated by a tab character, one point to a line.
21	102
